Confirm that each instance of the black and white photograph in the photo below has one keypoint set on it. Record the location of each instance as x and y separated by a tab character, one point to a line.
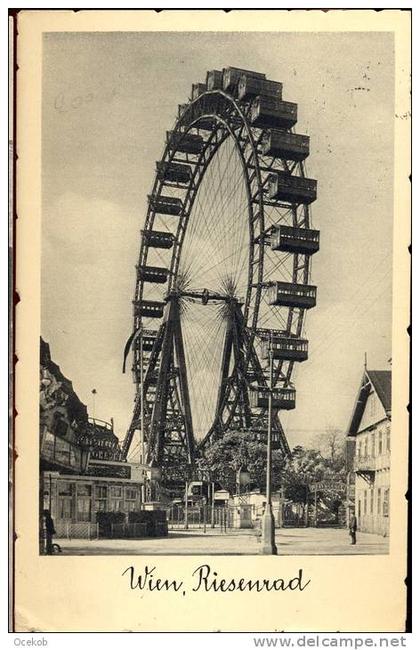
216	290
223	348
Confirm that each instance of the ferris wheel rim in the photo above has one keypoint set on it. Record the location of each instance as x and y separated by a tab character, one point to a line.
188	120
158	186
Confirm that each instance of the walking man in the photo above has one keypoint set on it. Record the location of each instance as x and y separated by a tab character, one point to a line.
352	527
49	531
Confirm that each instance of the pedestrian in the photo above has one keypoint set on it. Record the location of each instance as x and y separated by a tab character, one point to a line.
49	531
352	527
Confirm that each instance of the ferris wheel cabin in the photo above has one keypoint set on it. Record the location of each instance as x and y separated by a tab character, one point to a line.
214	80
249	87
165	205
295	240
289	294
288	146
184	142
145	341
171	172
148	308
232	77
197	90
270	112
293	189
283	398
158	238
155	274
285	348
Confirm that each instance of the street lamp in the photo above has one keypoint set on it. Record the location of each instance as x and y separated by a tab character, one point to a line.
268	546
141	401
154	474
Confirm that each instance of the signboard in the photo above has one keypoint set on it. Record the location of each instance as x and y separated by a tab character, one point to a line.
339	486
120	470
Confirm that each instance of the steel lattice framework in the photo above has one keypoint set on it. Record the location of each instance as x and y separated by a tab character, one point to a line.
227	230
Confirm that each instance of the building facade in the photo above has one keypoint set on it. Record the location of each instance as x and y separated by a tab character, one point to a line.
369	435
77	498
81	471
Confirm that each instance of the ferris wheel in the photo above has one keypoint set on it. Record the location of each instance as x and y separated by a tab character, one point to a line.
223	275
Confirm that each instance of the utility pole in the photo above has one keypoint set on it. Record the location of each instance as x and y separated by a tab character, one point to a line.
141	402
268	546
212	504
186	506
93	402
142	459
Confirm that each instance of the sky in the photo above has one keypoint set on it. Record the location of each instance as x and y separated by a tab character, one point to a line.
108	99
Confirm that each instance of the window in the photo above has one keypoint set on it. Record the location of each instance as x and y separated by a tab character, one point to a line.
100	505
62	451
116	505
379	500
372	494
372	445
116	491
365	502
100	492
388	439
131	493
65	488
83	509
64	508
48	445
385	510
46	499
84	490
380	443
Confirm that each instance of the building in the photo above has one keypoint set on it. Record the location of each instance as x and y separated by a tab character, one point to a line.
81	471
103	443
63	420
369	452
75	499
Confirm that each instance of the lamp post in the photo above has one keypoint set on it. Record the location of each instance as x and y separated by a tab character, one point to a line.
155	474
268	546
142	455
141	402
186	504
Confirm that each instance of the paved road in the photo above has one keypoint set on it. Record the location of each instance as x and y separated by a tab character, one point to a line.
290	541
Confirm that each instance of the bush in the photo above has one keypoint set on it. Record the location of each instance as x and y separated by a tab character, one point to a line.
155	521
140	516
106	520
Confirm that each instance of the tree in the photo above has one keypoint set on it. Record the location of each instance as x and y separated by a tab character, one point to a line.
307	468
302	468
236	449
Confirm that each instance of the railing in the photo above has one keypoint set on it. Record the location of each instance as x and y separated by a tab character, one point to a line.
303	234
365	463
203	517
100	423
87	530
76	530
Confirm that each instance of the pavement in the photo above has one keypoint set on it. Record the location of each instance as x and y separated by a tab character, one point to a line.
289	541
